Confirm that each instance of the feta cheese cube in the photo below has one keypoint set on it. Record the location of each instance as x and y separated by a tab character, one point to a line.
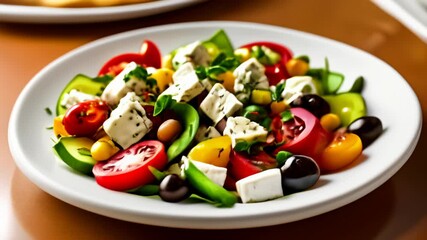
127	123
214	173
205	133
298	86
74	97
186	84
220	103
242	129
194	53
118	87
249	75
262	186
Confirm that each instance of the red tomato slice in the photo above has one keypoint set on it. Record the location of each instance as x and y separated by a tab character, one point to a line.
129	168
84	119
304	135
242	165
275	73
148	56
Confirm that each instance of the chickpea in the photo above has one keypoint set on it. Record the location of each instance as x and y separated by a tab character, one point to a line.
169	130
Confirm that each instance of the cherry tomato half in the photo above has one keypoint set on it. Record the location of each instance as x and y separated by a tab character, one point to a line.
85	118
303	134
343	150
276	72
148	56
129	168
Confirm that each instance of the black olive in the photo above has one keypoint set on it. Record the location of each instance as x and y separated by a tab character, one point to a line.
174	189
299	173
368	128
312	103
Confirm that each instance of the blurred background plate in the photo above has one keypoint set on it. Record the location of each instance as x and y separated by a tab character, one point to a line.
411	13
40	14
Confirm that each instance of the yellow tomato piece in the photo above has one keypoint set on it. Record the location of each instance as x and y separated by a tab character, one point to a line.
215	151
342	151
297	67
163	77
103	149
278	107
261	97
330	121
58	127
228	80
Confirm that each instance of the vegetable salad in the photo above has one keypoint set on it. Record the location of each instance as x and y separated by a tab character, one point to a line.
212	121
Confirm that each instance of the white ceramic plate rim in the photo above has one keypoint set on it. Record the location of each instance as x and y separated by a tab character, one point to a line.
40	14
31	147
410	13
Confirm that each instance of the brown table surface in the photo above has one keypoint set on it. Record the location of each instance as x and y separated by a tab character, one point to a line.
397	209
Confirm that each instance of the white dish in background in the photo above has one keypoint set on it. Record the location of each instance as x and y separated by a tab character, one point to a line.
40	14
411	13
31	144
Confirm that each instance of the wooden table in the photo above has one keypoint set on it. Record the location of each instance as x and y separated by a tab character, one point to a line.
397	209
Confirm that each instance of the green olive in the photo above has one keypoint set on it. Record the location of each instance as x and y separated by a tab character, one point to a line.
169	130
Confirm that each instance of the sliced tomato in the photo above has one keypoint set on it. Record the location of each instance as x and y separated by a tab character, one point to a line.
303	134
85	118
129	168
275	72
242	165
148	56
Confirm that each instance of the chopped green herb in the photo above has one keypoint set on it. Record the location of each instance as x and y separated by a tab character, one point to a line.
276	95
163	102
103	79
286	116
48	111
282	156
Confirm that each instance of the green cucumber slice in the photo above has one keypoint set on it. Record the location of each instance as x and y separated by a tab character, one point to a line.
83	84
72	150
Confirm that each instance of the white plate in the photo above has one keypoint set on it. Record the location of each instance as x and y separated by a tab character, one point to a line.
411	13
40	14
31	143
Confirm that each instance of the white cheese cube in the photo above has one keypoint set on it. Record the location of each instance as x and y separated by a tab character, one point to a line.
194	53
205	133
186	84
249	75
262	186
298	86
214	173
118	87
220	103
127	123
74	97
243	129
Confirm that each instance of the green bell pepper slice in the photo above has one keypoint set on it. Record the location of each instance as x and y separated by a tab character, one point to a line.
348	106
